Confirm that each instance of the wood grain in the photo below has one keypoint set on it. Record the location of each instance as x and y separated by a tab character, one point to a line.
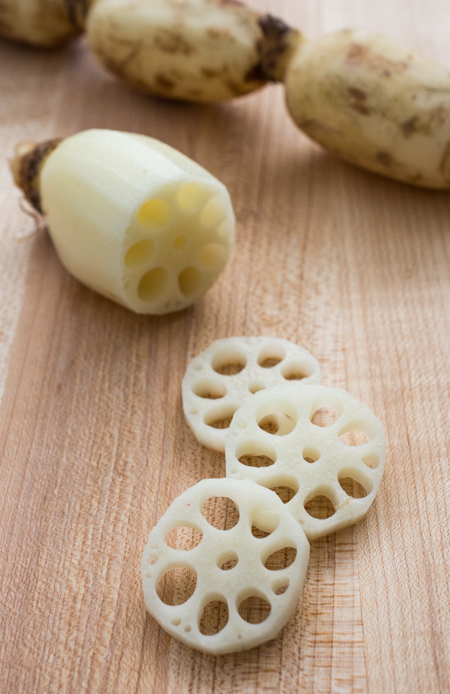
92	438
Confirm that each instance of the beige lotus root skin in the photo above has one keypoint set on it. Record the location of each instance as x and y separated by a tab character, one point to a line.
330	457
199	50
375	104
248	578
249	364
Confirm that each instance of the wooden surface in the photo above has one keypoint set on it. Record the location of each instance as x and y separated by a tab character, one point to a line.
93	443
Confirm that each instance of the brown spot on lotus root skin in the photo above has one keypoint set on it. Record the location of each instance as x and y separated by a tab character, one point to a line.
164	82
210	74
409	126
363	57
384	158
357	94
438	116
172	42
217	33
358	99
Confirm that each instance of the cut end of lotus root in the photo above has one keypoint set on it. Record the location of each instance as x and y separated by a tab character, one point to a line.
321	450
224	567
230	371
135	220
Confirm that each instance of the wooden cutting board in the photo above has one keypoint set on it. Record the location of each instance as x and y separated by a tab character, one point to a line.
92	438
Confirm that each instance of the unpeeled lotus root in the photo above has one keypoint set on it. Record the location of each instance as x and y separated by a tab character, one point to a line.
363	97
42	23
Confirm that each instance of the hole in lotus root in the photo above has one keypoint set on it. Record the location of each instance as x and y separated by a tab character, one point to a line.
190	197
286	491
258	533
153	284
256	386
279	587
229	362
271	355
154	213
357	434
177	585
281	559
254	609
310	454
209	389
354	484
189	281
296	371
256	460
320	506
371	460
324	417
227	561
255	454
278	417
213	212
220	418
139	253
183	538
221	512
214	617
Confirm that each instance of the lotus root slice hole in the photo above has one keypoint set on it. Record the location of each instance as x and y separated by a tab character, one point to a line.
220	417
227	561
209	389
310	454
228	362
357	433
280	559
296	370
321	503
221	512
214	617
280	586
278	417
271	355
371	460
255	387
254	608
354	483
284	491
177	585
256	454
183	538
326	411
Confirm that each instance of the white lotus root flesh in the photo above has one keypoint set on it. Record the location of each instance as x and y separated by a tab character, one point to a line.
321	449
223	377
134	219
224	567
